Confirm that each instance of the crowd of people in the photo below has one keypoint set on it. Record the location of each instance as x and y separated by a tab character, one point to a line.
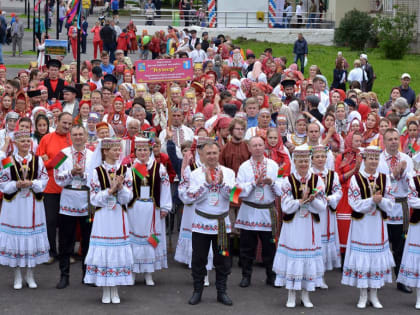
308	177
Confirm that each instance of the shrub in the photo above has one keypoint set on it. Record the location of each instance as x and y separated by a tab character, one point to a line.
354	30
395	33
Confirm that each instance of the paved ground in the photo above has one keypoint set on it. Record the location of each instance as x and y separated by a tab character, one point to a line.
173	289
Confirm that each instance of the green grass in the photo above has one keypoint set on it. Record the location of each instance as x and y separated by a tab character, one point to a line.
388	72
18	66
25	52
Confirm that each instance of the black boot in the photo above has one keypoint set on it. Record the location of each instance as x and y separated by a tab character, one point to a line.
271	276
404	288
63	283
198	291
246	272
222	296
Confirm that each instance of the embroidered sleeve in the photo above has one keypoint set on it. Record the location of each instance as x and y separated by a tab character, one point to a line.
197	190
245	180
387	202
126	193
39	184
319	204
7	186
413	196
288	202
337	193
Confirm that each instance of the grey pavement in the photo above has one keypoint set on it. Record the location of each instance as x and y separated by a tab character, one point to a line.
173	289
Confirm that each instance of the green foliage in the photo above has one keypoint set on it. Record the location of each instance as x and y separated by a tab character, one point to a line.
354	30
395	33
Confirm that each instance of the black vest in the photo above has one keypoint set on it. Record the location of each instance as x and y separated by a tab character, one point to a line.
16	174
297	194
104	180
58	93
153	181
363	184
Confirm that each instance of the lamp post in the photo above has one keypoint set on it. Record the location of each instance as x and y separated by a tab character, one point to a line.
33	20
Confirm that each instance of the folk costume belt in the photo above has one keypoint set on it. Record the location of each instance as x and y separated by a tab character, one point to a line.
222	239
273	216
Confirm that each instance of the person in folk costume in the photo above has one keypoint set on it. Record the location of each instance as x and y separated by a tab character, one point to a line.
132	30
372	129
346	165
399	167
23	233
257	217
209	190
192	160
6	134
117	118
299	137
409	141
409	273
72	34
329	229
22	106
368	262
298	262
74	201
264	119
341	122
147	211
109	261
330	136
384	124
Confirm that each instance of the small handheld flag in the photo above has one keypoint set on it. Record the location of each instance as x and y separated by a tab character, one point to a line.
140	170
280	174
7	162
58	160
234	194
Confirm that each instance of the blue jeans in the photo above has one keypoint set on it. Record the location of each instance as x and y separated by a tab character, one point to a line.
311	20
302	61
1	53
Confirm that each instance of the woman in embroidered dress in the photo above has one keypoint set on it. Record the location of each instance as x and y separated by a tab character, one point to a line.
341	119
331	137
117	118
152	200
23	230
109	261
409	273
384	124
329	230
368	263
298	262
410	141
346	165
299	137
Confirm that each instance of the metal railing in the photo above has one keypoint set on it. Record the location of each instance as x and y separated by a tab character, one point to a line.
245	19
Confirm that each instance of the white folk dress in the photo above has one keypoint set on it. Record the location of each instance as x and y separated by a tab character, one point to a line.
409	273
368	262
146	257
329	229
109	261
298	261
183	253
23	230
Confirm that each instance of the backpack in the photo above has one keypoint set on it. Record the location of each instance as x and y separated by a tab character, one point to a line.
9	34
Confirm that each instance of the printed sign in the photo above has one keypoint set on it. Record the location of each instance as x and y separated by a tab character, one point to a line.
55	47
158	70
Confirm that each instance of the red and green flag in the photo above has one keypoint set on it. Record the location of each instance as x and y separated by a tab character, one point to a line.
234	194
7	162
153	240
413	147
140	170
280	174
58	160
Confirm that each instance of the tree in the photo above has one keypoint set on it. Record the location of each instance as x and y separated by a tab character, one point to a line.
396	32
354	30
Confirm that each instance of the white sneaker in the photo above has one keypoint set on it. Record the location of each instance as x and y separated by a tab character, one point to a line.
291	299
148	279
114	295
17	285
373	298
30	278
306	301
106	295
206	281
362	299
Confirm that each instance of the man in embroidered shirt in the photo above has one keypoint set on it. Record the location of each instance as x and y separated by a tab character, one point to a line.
51	144
398	166
210	190
74	204
257	214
